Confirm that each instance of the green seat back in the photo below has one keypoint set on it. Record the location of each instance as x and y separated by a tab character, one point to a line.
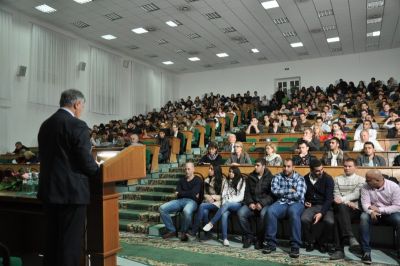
394	147
252	148
148	157
282	149
252	140
289	139
145	142
235	121
196	136
227	122
208	131
224	160
253	160
14	261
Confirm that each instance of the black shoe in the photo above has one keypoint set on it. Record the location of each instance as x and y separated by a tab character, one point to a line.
258	245
366	258
247	243
184	237
356	249
309	247
322	249
169	235
294	252
337	255
268	249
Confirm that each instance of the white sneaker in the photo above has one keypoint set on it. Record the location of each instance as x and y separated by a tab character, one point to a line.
226	242
208	227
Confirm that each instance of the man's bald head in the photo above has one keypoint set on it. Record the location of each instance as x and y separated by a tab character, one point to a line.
374	178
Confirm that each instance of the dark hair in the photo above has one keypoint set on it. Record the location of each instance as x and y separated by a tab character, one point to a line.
69	97
237	177
315	163
212	145
262	161
319	117
350	160
370	143
217	180
303	142
397	120
335	139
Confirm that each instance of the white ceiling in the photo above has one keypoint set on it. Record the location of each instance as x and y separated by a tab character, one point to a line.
254	28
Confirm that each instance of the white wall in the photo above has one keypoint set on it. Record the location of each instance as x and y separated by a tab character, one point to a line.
321	71
23	119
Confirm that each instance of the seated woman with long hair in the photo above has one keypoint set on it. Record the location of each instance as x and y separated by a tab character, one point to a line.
212	196
233	188
272	158
212	156
294	126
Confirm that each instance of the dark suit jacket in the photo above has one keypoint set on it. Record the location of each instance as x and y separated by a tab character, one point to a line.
66	160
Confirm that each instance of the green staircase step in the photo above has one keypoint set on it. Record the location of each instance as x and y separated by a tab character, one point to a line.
144	205
142	216
155	196
157	188
135	227
164	181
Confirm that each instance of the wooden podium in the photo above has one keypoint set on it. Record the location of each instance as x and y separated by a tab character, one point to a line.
103	219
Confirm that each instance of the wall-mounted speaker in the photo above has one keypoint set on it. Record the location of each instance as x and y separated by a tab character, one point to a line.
21	71
126	63
81	66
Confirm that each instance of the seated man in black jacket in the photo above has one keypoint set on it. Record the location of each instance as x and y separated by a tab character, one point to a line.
304	157
317	219
257	198
188	192
311	140
394	132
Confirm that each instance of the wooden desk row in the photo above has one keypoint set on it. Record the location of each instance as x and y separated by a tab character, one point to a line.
202	171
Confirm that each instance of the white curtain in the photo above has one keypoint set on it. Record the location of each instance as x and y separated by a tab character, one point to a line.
53	65
105	81
5	57
168	87
147	88
3	130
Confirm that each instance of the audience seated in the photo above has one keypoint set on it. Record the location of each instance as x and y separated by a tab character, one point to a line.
304	157
380	200
212	156
364	138
188	191
254	127
394	132
233	188
289	189
311	140
334	156
257	199
271	157
366	125
317	219
239	157
230	147
163	141
368	156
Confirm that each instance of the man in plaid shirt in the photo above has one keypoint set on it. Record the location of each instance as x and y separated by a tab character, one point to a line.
289	188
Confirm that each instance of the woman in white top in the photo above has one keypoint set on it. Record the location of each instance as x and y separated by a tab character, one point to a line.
233	188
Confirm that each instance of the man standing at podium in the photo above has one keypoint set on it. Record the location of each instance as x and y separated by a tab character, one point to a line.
65	169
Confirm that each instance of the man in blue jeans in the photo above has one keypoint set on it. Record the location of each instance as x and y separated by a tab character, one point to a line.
380	200
289	188
188	192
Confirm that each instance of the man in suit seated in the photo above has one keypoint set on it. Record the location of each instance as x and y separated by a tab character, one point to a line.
230	147
304	157
188	192
380	200
368	157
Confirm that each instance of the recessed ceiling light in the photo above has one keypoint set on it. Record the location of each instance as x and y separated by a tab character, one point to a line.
171	23
139	30
222	55
194	59
325	13
46	9
109	37
333	39
255	50
374	33
83	1
296	44
168	63
270	4
374	20
375	4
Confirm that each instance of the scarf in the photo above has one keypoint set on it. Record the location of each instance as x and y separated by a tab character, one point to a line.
271	157
212	157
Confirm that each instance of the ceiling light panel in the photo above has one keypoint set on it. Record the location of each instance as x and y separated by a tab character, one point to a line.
329	28
46	9
222	55
289	34
80	24
150	7
374	34
255	50
108	37
296	44
325	13
140	30
279	21
374	20
168	63
113	16
193	59
82	1
375	4
212	15
333	39
173	23
228	29
270	4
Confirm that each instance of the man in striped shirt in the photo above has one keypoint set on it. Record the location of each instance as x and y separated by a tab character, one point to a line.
346	207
